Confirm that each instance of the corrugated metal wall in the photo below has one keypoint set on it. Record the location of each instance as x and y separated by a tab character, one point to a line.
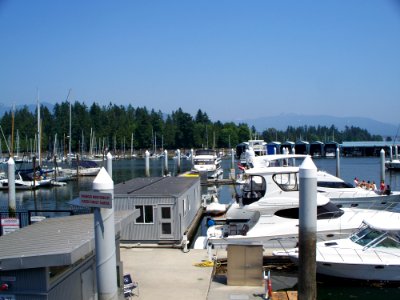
151	232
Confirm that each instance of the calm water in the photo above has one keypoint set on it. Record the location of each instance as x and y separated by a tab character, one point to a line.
363	168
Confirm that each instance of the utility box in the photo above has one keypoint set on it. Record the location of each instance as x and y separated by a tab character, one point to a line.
245	265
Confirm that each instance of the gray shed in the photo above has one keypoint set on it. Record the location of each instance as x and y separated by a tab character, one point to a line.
54	259
168	207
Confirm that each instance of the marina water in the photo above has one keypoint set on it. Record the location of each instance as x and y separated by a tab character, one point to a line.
364	168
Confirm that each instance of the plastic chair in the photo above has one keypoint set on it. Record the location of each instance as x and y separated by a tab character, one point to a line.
131	288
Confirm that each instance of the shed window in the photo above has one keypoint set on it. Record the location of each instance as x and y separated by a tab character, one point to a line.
146	214
166	212
166	228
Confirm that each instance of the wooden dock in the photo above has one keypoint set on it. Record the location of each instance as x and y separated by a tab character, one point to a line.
285	295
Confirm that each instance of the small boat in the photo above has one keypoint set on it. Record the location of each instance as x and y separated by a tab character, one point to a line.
207	161
84	168
393	164
370	253
21	183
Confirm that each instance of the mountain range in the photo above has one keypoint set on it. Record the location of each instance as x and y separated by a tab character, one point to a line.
282	121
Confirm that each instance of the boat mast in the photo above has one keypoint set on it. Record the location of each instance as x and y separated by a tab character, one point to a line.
38	127
69	140
12	133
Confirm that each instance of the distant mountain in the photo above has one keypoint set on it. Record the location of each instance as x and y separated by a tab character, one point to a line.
281	122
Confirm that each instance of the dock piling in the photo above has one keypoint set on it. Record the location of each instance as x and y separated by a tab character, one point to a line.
147	163
337	162
165	162
11	186
178	161
104	231
382	173
307	284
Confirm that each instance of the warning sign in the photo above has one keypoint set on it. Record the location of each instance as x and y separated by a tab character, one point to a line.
96	199
9	225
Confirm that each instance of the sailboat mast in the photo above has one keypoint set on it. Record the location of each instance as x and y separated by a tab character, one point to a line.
38	127
70	136
12	134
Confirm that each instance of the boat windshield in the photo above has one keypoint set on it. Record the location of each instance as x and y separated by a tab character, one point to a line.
204	161
370	237
286	181
334	184
365	236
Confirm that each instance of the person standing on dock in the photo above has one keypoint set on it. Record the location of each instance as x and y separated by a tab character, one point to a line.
250	157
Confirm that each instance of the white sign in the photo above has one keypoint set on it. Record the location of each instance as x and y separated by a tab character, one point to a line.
9	225
96	199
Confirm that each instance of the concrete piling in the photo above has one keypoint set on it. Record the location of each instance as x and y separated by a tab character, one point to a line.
307	285
11	186
382	170
109	164
338	162
104	231
147	163
178	161
165	162
293	159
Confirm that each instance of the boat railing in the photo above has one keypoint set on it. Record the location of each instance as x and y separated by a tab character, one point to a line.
360	253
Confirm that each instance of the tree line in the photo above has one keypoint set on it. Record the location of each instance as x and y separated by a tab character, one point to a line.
117	127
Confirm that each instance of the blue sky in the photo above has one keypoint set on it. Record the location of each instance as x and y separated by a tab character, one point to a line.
232	59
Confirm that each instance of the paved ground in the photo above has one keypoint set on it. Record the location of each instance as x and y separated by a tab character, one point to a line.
172	274
168	273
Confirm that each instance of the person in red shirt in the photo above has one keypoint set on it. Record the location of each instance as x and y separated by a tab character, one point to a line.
382	187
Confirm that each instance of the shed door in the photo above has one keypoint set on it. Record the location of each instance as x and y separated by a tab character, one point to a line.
165	219
88	288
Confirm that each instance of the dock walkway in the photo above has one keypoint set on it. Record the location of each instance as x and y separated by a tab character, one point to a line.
171	274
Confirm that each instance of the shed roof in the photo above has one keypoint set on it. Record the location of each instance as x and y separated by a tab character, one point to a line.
155	186
368	144
53	242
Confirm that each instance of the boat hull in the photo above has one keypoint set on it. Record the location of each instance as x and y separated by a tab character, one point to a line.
376	272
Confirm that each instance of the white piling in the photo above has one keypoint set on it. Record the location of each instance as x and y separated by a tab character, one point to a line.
109	164
338	162
274	150
232	173
147	163
104	230
232	158
192	155
307	286
382	173
396	152
178	160
165	162
293	159
390	153
11	185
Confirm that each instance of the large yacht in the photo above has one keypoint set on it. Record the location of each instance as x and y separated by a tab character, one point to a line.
207	161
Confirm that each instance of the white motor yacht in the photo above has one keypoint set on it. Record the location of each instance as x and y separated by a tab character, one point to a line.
372	252
207	161
341	193
266	212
